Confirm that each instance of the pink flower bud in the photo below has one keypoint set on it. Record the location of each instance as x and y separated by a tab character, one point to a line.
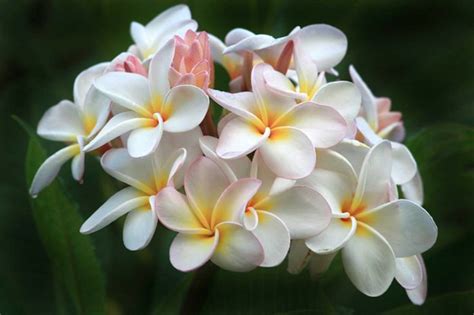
128	63
192	62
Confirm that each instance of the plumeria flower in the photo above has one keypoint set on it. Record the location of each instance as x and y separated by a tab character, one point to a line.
207	220
151	38
343	96
153	106
192	62
74	123
324	44
146	177
378	123
369	228
127	62
284	134
279	210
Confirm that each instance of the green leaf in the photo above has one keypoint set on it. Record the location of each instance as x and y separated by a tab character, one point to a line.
452	303
80	285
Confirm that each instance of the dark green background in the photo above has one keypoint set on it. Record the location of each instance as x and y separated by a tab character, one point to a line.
419	53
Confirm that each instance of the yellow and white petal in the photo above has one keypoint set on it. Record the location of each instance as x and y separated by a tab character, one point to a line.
158	74
370	137
191	251
203	198
413	189
335	237
139	228
240	138
165	172
117	126
62	122
238	249
354	152
186	106
307	72
136	172
144	141
409	272
278	83
404	166
234	169
298	257
233	201
325	44
303	210
374	179
96	111
319	264
343	96
289	153
140	37
274	237
119	204
48	171
175	213
250	219
129	90
369	261
322	124
418	295
407	227
368	99
84	81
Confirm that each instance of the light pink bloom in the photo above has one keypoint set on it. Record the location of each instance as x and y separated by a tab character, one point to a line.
127	62
192	62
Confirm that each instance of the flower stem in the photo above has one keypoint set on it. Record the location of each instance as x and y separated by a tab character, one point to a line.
207	126
198	290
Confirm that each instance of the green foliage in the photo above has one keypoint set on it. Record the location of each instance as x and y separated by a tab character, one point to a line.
78	279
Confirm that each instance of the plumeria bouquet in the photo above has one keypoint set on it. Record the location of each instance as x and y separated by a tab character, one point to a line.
289	163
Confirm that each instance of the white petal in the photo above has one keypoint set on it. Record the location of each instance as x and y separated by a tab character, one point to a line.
370	137
129	90
233	201
217	49
368	99
139	228
240	138
236	35
175	213
413	189
136	172
326	44
159	71
322	124
407	227
48	171
238	249
274	236
250	43
96	111
418	295
187	105
374	179
117	126
343	96
289	153
250	219
140	36
234	169
354	151
320	264
298	257
303	210
84	81
409	272
404	166
191	251
336	236
62	122
175	14
166	34
369	261
204	197
143	141
119	204
77	166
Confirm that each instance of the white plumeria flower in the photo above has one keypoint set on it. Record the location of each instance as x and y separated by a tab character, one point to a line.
324	44
368	228
279	210
74	123
411	275
151	38
343	96
146	177
153	107
207	220
405	170
284	133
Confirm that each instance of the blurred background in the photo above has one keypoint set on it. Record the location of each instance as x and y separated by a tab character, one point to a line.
418	53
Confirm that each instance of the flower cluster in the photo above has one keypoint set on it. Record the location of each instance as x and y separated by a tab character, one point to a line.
299	165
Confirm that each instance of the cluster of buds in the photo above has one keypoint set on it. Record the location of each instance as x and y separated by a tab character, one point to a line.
299	166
